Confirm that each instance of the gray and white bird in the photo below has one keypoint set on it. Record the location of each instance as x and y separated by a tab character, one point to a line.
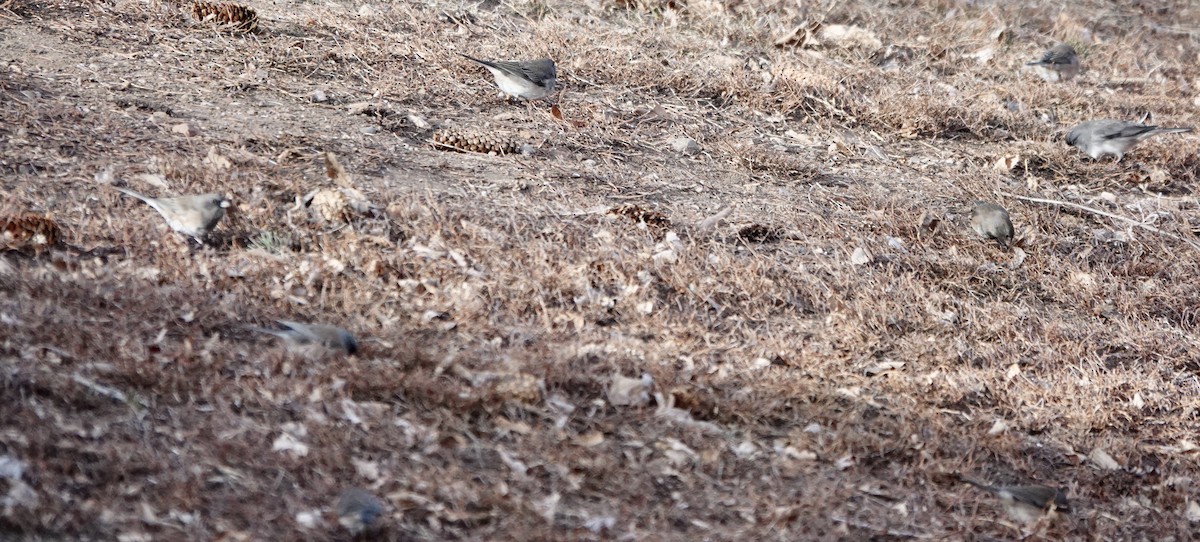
1027	504
991	221
195	216
1060	63
305	338
529	79
358	510
1097	138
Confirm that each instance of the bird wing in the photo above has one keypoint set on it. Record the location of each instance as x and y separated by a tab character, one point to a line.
300	330
538	71
1041	497
332	337
1130	130
1058	56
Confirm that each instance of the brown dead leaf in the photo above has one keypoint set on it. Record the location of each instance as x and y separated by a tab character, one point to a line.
1007	162
589	439
800	35
336	172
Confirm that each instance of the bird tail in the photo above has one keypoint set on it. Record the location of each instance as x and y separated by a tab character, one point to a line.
257	329
292	326
979	485
132	193
1172	130
476	60
298	330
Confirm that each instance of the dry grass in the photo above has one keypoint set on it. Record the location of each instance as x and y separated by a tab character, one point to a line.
796	394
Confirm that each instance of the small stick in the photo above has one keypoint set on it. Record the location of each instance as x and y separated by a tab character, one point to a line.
890	532
1147	227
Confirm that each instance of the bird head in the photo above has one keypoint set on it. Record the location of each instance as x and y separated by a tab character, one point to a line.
348	342
213	201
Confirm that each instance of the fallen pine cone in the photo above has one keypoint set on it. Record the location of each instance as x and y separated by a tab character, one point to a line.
758	233
656	222
339	204
232	16
29	231
465	141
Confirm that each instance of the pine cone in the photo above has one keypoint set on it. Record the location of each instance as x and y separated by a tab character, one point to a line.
228	15
758	233
331	205
467	141
655	221
29	231
339	204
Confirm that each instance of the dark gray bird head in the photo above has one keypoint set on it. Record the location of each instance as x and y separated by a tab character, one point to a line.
215	201
358	510
347	342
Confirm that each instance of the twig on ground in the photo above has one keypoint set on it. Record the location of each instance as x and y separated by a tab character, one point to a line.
1144	226
890	532
99	388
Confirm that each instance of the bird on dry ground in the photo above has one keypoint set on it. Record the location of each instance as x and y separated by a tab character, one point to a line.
305	337
528	79
194	216
1060	63
991	222
1098	138
1029	503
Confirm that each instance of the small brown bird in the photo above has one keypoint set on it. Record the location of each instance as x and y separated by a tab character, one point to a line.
1060	63
358	509
991	222
194	216
307	337
1027	504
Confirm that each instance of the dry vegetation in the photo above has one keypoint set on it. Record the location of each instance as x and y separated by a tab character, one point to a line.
820	360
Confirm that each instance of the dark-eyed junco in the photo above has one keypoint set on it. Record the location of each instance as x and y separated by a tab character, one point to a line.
1060	63
991	222
1097	138
189	215
358	510
304	337
1027	504
530	79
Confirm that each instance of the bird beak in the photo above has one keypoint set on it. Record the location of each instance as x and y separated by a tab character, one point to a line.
224	203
